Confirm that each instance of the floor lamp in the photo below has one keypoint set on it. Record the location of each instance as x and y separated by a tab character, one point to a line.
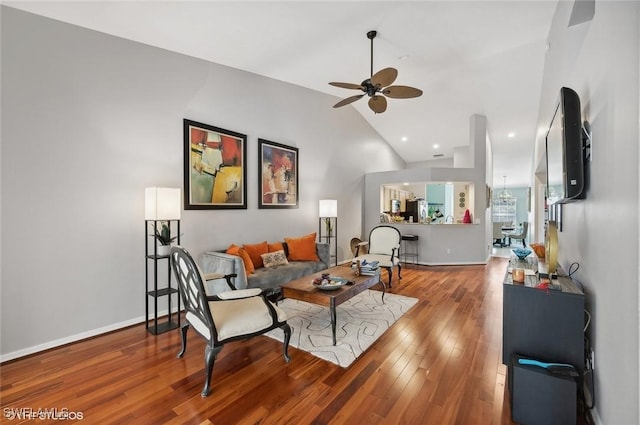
328	219
162	208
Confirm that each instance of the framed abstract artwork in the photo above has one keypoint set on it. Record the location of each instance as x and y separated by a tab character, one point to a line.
215	168
278	175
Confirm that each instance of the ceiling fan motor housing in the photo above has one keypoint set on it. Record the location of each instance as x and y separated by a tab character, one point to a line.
369	88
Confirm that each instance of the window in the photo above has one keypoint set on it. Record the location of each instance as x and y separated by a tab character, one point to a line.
504	210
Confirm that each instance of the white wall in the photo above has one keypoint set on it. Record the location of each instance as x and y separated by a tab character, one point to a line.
90	120
443	244
600	60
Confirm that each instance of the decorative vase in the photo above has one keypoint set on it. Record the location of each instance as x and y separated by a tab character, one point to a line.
467	217
164	250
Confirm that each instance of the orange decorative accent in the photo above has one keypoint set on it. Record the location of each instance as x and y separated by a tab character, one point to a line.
255	251
246	259
538	248
302	249
276	246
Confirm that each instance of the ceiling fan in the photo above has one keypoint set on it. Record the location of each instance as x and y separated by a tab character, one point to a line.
377	86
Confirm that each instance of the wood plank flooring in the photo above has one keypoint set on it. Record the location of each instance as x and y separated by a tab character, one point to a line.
439	364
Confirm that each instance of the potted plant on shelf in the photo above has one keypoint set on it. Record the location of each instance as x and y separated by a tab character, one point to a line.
164	238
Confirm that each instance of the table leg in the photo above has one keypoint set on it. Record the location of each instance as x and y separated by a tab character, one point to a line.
332	309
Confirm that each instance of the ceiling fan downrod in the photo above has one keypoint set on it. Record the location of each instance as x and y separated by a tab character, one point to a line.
371	35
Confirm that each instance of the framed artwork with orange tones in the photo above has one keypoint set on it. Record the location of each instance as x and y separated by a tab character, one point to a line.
278	175
215	168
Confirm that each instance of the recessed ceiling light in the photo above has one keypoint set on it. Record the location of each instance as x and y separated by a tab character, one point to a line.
511	135
436	146
404	138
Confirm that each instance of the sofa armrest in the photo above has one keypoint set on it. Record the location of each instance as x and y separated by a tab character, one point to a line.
323	253
224	264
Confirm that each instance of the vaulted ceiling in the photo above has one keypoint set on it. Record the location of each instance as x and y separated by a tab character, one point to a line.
468	57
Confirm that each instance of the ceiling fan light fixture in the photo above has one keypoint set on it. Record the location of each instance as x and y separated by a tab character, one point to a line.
377	86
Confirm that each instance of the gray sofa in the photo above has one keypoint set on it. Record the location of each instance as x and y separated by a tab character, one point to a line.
268	279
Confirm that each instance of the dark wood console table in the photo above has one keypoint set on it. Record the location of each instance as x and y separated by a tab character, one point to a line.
545	324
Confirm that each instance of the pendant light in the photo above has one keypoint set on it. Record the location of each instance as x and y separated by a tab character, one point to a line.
505	195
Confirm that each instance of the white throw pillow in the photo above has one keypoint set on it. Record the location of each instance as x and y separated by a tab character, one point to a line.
272	259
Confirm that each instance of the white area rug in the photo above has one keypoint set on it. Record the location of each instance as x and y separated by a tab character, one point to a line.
360	321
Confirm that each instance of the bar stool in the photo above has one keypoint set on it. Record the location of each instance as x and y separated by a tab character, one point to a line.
409	249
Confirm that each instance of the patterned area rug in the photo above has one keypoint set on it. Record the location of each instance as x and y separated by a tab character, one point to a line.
360	321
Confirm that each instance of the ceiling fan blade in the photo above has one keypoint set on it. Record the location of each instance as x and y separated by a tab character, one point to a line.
402	92
384	77
378	104
347	85
348	100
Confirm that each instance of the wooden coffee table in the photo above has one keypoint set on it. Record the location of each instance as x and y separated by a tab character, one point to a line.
304	290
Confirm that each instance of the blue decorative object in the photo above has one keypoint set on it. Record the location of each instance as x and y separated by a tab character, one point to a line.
521	253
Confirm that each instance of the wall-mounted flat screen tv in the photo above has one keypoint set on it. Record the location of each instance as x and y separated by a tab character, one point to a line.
565	154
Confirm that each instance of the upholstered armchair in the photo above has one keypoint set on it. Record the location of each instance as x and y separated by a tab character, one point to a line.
498	236
522	235
225	317
383	246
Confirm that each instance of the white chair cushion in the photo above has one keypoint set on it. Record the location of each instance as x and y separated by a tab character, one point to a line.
383	240
242	317
240	293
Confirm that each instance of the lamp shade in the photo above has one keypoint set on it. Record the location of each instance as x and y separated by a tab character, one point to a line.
162	203
328	208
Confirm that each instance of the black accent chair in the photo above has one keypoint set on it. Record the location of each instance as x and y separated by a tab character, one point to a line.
225	317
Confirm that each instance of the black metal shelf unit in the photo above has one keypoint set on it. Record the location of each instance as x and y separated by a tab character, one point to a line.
152	260
330	236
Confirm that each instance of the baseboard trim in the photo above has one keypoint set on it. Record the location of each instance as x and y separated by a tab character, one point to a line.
459	263
74	338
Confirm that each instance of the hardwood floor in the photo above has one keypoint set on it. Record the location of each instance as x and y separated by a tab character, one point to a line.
439	364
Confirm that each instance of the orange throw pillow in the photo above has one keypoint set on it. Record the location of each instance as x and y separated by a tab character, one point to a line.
302	249
275	247
248	264
255	251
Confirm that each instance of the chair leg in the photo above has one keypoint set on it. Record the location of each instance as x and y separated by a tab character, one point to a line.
390	271
210	354
285	346
399	271
183	332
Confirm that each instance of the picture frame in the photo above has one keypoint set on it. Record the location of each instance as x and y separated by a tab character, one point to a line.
215	167
277	175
